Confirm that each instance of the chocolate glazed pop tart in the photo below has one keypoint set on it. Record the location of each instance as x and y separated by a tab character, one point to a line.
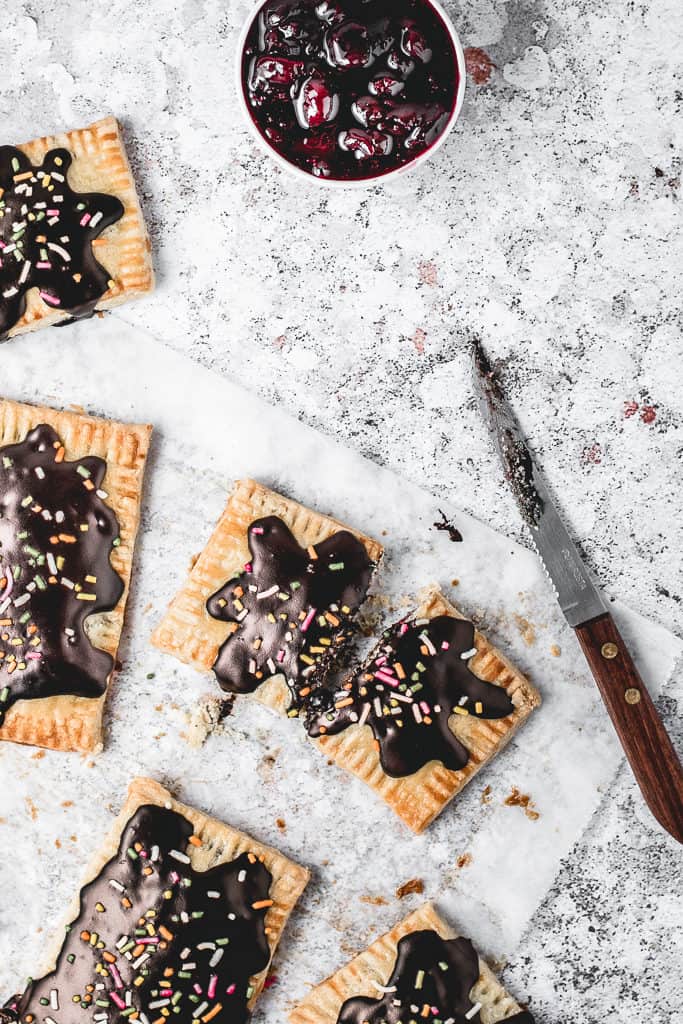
271	602
72	237
419	971
433	703
179	919
70	489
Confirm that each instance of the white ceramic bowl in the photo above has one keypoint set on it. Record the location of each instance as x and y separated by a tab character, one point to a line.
302	175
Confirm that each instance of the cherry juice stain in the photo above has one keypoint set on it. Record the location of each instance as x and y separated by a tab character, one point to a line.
418	340
479	65
648	413
592	454
349	89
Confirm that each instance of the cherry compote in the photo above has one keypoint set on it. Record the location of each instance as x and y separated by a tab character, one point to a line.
349	89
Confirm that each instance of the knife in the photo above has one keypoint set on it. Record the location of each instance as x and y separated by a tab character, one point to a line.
645	741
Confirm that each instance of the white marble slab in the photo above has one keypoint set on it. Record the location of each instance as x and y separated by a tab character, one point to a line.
208	432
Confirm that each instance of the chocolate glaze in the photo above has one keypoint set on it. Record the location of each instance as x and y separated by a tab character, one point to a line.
53	572
293	609
46	234
407	692
429	971
149	915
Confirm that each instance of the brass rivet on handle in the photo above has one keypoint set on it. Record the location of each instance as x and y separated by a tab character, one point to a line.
609	650
632	696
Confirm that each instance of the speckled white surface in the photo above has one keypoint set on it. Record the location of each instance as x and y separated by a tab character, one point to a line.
550	222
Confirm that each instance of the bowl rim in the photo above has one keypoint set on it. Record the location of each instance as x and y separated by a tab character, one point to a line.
356	183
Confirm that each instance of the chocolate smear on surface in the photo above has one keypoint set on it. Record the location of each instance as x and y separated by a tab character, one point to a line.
56	537
292	608
157	939
414	681
46	235
450	528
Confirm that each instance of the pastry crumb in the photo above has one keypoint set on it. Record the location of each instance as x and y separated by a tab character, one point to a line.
486	795
526	629
414	885
281	824
463	861
206	718
32	809
374	901
38	756
267	765
555	650
523	800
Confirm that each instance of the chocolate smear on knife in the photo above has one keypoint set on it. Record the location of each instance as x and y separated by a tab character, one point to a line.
432	979
412	684
515	455
46	236
155	938
292	609
56	538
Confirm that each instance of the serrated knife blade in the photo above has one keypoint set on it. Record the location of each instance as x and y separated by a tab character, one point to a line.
646	743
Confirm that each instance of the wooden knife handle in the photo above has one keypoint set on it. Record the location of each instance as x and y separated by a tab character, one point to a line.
647	745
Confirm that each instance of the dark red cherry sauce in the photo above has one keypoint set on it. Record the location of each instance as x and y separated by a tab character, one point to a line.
349	89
